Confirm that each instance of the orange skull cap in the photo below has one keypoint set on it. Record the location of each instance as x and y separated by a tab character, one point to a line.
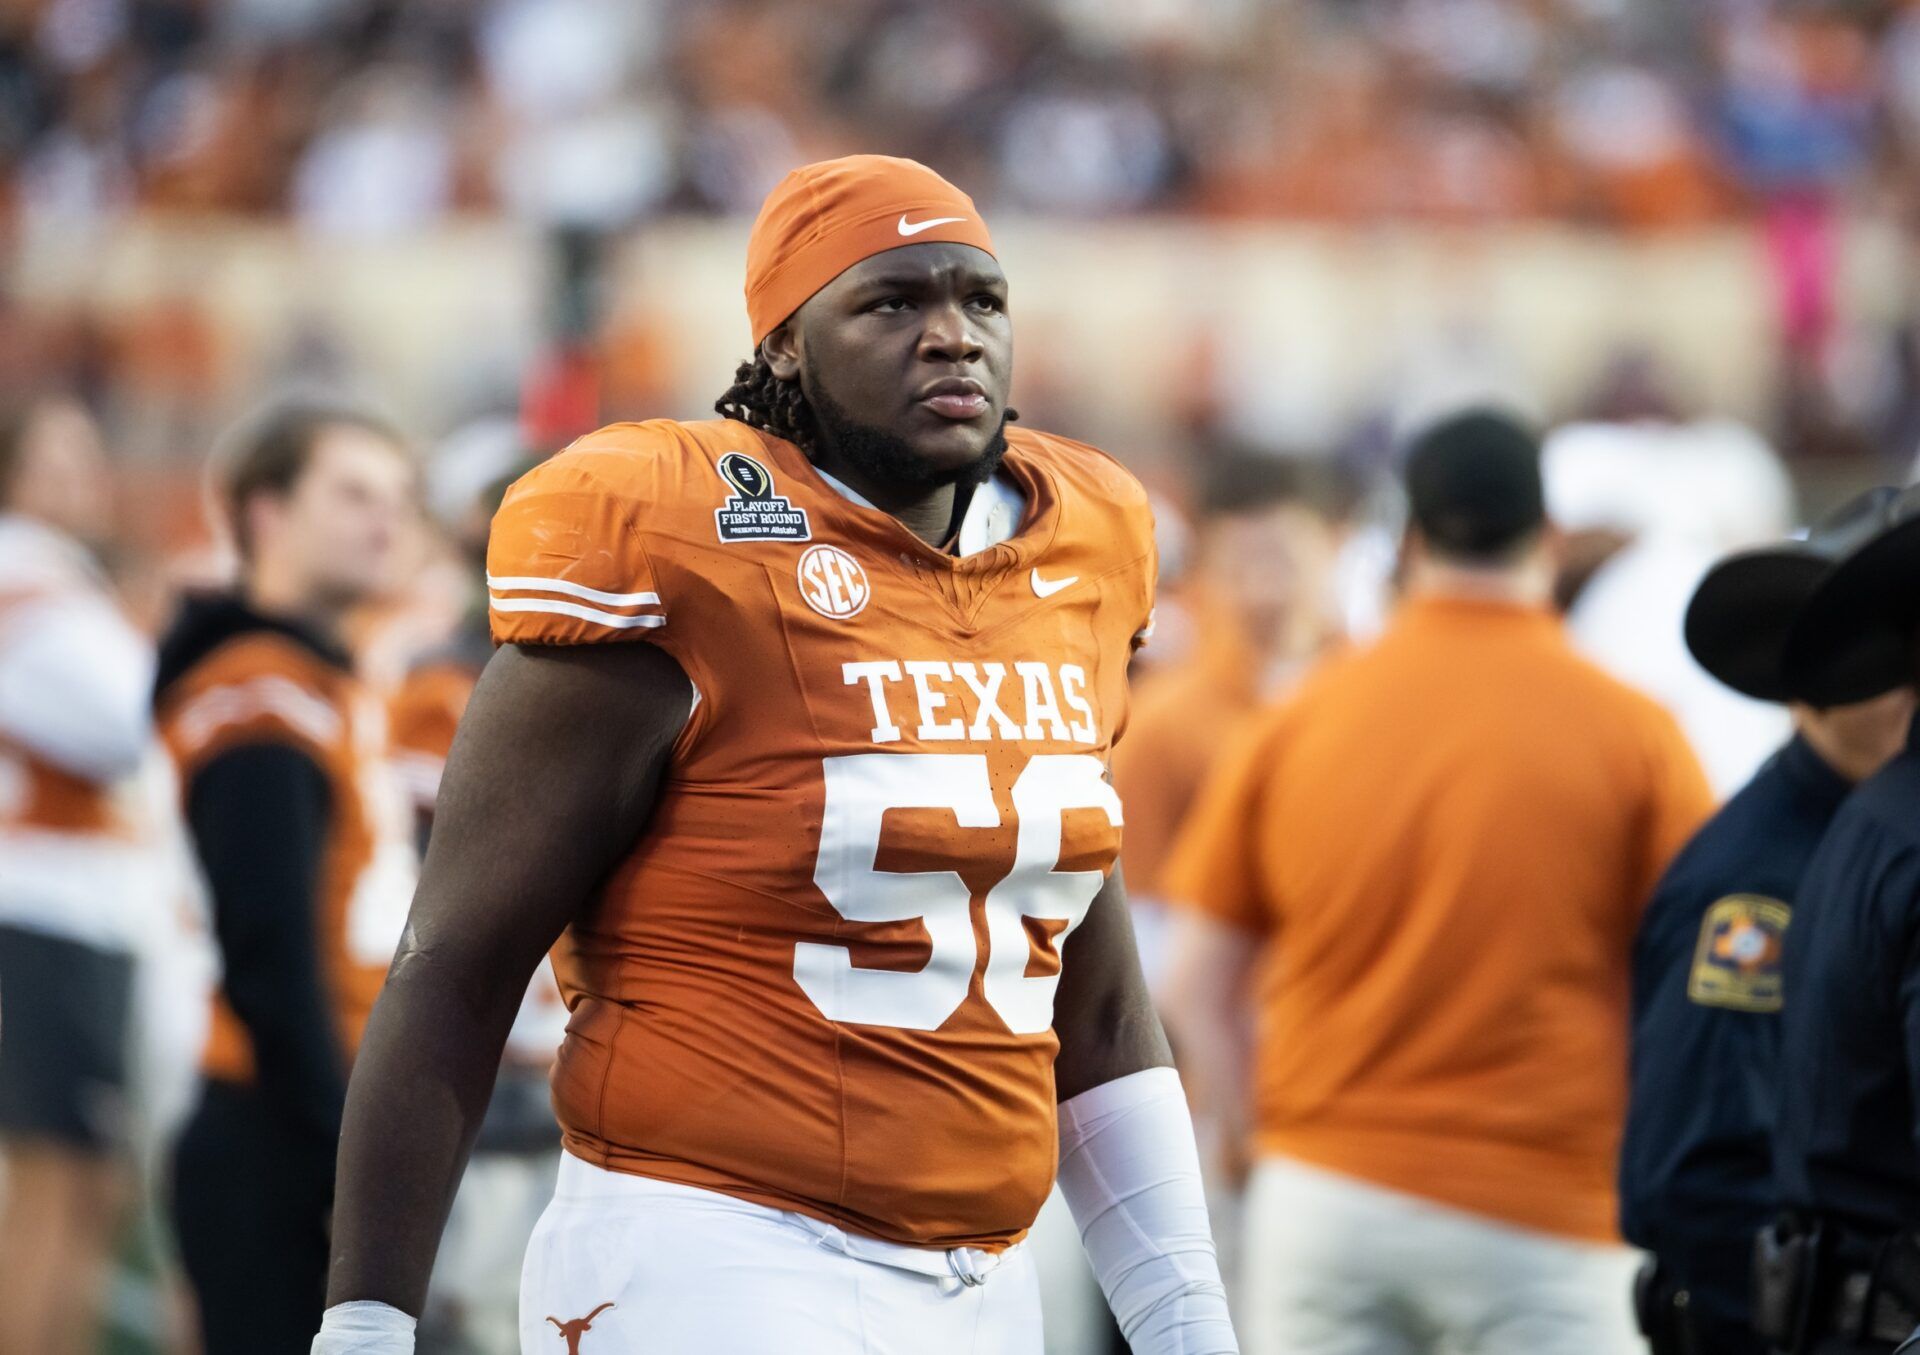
824	218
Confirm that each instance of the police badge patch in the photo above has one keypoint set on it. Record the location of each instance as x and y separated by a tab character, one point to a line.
753	512
1737	963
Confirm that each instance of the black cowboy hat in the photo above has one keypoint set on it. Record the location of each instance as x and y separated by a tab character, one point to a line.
1854	638
1745	611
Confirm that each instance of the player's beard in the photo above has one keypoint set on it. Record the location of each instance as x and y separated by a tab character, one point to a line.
888	459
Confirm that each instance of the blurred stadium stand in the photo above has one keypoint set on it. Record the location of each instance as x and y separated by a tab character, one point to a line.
1597	205
362	117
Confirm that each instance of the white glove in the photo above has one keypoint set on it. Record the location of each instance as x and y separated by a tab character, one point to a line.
1131	1175
364	1327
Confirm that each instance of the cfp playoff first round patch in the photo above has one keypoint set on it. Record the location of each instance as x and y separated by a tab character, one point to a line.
753	512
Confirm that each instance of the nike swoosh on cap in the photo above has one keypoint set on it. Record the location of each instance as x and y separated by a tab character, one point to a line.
928	225
1046	588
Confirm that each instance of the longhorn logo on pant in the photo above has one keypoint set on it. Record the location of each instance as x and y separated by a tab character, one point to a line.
577	1328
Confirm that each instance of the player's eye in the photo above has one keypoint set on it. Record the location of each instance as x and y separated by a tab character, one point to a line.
891	305
987	301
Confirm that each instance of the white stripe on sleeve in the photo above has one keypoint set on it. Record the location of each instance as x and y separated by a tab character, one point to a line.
599	618
530	584
239	702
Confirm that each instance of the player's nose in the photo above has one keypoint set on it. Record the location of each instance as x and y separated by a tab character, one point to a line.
947	336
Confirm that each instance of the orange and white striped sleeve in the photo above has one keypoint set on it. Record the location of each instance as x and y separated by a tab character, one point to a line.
566	564
260	688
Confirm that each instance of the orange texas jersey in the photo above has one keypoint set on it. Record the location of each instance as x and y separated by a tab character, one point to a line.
265	687
823	978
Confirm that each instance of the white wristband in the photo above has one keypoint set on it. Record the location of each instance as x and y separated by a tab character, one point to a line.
364	1327
1131	1175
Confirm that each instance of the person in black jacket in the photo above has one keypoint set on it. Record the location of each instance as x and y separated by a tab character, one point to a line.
1696	1167
1839	1273
307	852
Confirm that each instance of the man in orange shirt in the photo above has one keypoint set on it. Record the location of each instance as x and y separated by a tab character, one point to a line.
1421	876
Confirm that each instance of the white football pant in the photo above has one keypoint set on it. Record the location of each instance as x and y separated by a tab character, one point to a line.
1335	1266
623	1265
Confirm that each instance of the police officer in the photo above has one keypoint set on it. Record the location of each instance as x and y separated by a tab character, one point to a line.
1695	1177
1839	1273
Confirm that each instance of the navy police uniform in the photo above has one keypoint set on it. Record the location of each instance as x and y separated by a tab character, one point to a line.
1696	1170
1845	1155
1716	997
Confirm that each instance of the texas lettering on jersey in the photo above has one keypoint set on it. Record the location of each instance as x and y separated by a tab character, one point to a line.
962	700
842	932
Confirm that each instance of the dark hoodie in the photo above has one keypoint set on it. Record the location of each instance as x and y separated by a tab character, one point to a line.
260	818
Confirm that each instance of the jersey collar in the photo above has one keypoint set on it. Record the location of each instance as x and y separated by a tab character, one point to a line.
993	514
1020	483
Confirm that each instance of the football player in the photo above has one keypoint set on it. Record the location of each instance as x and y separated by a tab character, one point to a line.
799	730
305	842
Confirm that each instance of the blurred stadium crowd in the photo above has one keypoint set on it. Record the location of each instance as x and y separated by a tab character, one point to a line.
359	122
369	116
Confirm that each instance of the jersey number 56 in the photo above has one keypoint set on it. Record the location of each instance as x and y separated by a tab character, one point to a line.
860	790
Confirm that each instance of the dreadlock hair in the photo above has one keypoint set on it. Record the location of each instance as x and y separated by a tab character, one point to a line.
759	399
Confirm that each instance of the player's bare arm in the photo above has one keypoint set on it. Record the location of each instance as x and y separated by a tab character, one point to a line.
1102	1014
551	778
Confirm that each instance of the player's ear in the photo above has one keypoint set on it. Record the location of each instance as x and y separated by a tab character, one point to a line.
781	349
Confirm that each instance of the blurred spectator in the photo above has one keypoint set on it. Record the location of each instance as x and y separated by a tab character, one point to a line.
1085	144
74	729
1844	1128
306	848
381	164
1263	605
1798	99
1403	974
373	119
596	112
1696	1182
1669	499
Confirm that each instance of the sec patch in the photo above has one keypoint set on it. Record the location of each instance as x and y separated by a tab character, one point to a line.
832	582
1737	962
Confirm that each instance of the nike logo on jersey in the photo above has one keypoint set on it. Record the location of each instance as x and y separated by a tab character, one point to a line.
919	226
1046	588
